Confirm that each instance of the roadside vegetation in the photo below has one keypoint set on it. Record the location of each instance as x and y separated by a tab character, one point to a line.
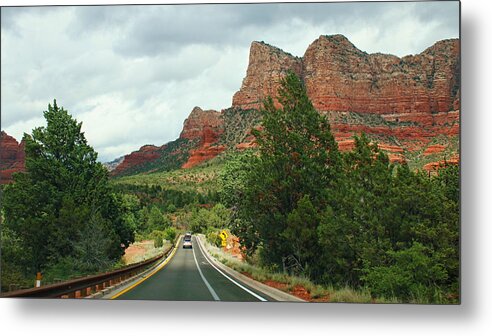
342	219
61	217
346	227
292	284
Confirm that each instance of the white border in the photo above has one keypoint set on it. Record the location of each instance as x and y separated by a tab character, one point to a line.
473	317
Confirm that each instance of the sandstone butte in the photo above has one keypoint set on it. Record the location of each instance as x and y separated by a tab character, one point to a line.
404	102
415	98
12	157
205	127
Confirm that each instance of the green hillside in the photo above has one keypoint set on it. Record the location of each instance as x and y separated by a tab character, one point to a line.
201	178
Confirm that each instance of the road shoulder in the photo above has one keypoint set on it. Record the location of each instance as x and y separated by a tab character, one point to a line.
274	293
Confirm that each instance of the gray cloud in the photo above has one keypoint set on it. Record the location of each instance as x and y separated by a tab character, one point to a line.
132	74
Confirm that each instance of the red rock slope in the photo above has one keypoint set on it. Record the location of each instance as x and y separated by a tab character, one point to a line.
12	157
201	127
205	127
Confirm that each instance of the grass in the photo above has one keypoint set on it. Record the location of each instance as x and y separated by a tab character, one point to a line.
317	292
201	178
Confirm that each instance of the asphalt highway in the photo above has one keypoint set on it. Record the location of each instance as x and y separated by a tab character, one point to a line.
189	276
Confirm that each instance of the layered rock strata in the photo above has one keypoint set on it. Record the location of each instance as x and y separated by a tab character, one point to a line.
402	102
205	127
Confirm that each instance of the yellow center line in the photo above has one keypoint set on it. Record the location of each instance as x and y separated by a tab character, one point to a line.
164	263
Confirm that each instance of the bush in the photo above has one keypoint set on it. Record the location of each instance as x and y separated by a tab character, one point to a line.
157	236
214	238
170	234
413	274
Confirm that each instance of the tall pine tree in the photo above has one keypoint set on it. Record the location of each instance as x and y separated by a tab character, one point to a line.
298	160
62	195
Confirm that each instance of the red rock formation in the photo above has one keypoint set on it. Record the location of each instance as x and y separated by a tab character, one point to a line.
404	103
434	149
206	128
267	66
12	157
416	97
433	167
340	77
197	121
146	153
203	154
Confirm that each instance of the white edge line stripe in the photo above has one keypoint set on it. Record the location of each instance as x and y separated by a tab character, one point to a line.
233	281
210	289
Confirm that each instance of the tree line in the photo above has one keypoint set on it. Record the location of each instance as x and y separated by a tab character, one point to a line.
342	219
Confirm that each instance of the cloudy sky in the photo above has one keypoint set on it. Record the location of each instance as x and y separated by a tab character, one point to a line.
132	74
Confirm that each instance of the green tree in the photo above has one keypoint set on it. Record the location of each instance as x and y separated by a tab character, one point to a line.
156	220
354	225
301	233
63	190
220	216
13	256
298	157
234	186
170	234
157	236
412	273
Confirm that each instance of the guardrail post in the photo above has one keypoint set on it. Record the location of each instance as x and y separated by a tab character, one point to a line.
83	292
38	279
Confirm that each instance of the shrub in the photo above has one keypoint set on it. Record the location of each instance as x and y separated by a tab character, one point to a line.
157	237
170	234
214	238
412	274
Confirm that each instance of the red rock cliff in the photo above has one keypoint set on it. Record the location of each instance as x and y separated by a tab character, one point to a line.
267	66
340	77
404	102
205	127
198	121
12	157
409	104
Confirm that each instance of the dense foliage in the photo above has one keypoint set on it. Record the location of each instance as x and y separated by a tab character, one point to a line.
62	217
342	218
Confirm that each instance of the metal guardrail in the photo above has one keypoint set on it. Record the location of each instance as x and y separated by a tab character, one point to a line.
82	287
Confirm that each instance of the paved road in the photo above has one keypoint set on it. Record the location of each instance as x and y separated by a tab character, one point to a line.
189	276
